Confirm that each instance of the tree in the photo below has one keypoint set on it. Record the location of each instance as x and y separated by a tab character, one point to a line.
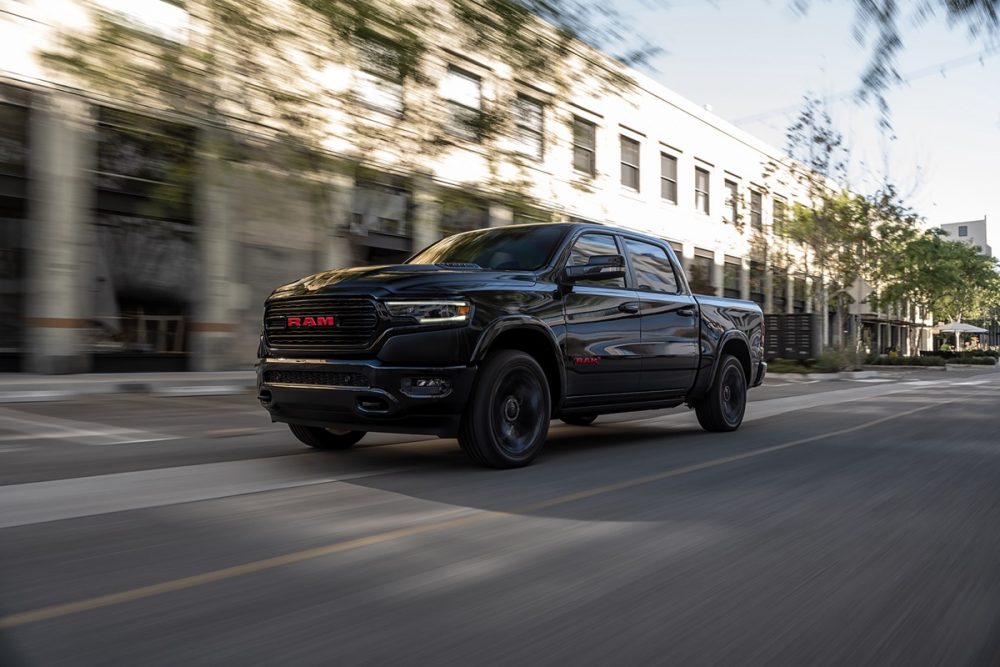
947	278
883	21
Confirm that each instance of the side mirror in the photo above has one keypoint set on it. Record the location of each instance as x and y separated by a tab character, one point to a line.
598	267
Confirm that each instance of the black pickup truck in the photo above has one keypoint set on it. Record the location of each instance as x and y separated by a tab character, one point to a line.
489	334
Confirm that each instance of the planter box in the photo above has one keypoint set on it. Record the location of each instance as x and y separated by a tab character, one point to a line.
965	367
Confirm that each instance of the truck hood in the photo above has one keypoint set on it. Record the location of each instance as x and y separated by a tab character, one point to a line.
402	280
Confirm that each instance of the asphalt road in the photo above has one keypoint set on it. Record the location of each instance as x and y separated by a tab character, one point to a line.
846	523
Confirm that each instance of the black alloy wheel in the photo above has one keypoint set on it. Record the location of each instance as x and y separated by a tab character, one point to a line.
507	420
724	405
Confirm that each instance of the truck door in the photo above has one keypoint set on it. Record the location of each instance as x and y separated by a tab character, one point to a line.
669	323
601	348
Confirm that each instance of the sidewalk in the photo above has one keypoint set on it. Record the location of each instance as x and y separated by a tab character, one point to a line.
23	387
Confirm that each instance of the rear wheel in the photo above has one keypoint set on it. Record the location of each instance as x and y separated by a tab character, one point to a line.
507	419
325	438
724	405
578	420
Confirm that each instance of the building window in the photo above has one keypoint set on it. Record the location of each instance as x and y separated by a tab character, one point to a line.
799	294
529	117
963	230
584	146
757	282
756	209
630	163
463	95
732	271
380	80
779	289
701	274
701	190
779	215
668	178
732	202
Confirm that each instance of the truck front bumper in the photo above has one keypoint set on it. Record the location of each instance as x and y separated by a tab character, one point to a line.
365	395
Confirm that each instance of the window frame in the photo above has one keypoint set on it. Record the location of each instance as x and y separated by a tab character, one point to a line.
665	179
520	127
678	285
706	193
591	150
778	221
623	141
571	243
963	231
731	206
455	107
756	214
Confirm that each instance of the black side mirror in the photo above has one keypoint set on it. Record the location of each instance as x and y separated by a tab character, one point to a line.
598	267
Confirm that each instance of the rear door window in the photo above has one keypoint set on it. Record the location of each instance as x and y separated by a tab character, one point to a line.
653	270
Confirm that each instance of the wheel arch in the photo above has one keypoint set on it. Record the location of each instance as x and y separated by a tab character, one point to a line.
533	338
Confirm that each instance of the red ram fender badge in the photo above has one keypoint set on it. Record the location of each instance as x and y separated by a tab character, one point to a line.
321	321
586	361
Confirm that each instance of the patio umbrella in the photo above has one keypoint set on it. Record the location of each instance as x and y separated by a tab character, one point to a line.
959	328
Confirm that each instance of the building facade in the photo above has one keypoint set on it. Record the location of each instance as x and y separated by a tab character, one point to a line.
972	232
142	230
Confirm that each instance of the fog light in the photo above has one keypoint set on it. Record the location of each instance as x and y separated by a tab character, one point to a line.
425	386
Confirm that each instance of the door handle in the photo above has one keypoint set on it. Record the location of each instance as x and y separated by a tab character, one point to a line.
686	312
629	307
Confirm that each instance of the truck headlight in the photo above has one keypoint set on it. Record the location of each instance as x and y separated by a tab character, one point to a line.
430	312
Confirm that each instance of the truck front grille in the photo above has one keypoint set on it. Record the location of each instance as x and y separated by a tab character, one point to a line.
356	323
316	378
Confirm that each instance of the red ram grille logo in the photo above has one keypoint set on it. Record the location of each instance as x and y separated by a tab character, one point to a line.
318	321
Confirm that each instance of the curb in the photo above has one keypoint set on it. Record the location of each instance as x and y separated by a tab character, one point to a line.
815	377
64	388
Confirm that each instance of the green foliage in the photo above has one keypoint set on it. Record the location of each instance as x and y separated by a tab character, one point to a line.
949	278
833	360
788	366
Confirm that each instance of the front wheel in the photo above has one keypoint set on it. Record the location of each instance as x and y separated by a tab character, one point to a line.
507	419
724	405
325	438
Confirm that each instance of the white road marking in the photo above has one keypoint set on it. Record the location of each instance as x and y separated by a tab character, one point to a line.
38	427
38	502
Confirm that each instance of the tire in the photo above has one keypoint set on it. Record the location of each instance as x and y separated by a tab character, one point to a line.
507	418
324	438
578	420
724	405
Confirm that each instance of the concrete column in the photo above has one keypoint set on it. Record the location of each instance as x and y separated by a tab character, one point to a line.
717	273
337	253
214	329
768	287
810	295
789	292
501	215
59	233
426	213
745	280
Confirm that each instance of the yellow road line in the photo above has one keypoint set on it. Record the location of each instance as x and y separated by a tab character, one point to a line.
88	604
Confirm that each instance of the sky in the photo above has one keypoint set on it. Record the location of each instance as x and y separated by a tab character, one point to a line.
753	60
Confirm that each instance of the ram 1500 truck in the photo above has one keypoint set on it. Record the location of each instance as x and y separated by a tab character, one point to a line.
488	335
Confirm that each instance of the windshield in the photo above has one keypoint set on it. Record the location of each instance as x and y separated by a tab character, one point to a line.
503	249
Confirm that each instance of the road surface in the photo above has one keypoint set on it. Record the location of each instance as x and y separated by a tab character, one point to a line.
846	523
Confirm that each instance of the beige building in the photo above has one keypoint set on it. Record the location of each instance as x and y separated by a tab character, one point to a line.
972	232
143	225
